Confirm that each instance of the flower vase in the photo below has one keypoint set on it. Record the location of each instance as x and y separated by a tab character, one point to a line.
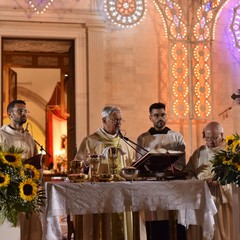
7	231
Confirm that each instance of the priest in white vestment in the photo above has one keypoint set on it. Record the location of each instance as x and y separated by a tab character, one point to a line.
160	138
15	135
100	143
200	167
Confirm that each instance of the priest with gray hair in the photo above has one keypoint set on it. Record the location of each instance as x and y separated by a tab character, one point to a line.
98	143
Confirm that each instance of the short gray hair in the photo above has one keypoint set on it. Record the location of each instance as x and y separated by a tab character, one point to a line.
108	110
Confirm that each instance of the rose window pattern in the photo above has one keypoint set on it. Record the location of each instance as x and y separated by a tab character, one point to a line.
125	13
235	26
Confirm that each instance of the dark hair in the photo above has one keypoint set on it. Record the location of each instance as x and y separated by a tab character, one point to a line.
12	104
158	105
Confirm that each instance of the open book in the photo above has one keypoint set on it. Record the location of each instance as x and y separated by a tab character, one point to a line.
153	162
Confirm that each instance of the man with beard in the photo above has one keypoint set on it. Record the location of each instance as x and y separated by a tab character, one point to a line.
160	138
15	135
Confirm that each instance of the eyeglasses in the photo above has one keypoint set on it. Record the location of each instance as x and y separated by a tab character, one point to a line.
117	120
211	139
156	115
21	111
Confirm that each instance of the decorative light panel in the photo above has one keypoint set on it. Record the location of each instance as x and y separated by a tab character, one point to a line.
201	30
178	30
204	13
181	108
202	71
179	80
40	6
204	89
203	110
173	10
190	48
179	50
202	80
201	51
125	13
235	26
180	89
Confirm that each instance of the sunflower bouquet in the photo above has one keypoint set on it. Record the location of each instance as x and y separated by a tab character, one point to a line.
20	189
226	163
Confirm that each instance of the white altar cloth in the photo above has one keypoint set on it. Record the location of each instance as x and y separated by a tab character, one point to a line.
191	197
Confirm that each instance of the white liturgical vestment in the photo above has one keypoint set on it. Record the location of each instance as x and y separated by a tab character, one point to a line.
23	140
200	167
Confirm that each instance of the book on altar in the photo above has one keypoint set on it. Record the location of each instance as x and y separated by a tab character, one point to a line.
36	161
157	161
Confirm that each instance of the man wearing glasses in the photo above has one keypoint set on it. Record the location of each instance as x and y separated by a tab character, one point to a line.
200	167
107	136
15	135
160	138
104	138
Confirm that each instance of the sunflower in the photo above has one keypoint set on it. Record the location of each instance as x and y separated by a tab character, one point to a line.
12	159
4	180
28	190
236	146
227	161
30	171
237	165
229	141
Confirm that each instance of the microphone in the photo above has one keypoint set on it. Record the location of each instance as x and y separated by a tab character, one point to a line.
119	133
26	129
126	140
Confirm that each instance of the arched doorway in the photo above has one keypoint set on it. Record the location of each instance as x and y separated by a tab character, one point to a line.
32	70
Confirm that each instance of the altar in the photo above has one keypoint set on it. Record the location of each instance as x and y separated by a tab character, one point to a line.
191	199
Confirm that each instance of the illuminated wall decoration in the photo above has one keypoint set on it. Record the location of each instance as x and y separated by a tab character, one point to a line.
235	26
190	38
125	13
40	6
202	37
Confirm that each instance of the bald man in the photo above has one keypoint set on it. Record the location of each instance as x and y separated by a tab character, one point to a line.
200	167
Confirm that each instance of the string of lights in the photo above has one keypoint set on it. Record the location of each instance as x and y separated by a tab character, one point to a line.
40	6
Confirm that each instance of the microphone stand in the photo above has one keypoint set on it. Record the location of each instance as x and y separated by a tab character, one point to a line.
41	161
127	140
41	148
137	145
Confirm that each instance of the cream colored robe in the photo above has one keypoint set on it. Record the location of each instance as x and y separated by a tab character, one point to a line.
30	228
156	143
113	226
170	141
199	166
97	142
10	137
